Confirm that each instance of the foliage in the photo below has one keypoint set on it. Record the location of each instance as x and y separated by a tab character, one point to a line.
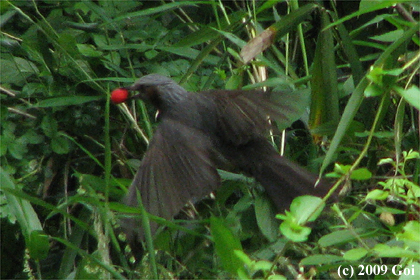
65	152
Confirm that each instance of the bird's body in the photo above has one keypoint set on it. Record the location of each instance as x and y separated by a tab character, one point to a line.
197	128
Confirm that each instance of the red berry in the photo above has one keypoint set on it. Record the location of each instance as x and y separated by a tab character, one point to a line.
119	95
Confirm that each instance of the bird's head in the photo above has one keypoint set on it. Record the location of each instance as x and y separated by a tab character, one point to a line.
159	90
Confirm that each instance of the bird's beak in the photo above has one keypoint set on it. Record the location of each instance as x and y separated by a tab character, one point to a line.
131	90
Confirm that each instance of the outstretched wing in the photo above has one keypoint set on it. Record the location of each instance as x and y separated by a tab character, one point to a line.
176	168
244	114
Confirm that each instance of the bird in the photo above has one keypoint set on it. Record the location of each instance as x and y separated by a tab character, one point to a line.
195	131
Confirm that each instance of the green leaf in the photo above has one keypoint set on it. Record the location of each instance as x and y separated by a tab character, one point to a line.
358	174
338	237
226	243
231	37
33	138
411	236
49	126
381	209
318	259
243	257
60	145
355	254
411	95
361	174
18	148
27	218
159	9
276	277
411	154
385	251
262	265
68	42
208	33
16	71
234	81
324	97
294	231
150	54
389	36
303	208
377	195
265	215
38	245
89	50
373	90
67	101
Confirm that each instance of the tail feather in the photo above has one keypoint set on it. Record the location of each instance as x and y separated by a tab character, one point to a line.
284	180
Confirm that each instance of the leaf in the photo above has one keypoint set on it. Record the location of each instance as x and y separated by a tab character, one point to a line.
49	126
243	257
208	33
18	148
324	97
386	251
226	243
27	218
276	277
60	145
38	244
89	50
369	5
265	214
355	254
303	208
295	232
411	236
361	174
262	265
16	71
377	195
389	36
318	259
159	9
411	95
338	237
32	137
373	90
67	101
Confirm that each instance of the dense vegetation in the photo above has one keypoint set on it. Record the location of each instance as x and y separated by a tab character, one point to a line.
67	154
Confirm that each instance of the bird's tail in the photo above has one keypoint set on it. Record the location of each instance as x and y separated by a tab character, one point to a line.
282	179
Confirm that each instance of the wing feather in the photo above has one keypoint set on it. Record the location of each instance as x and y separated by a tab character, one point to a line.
176	168
243	114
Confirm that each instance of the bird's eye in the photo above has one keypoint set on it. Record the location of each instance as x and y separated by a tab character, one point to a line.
144	88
